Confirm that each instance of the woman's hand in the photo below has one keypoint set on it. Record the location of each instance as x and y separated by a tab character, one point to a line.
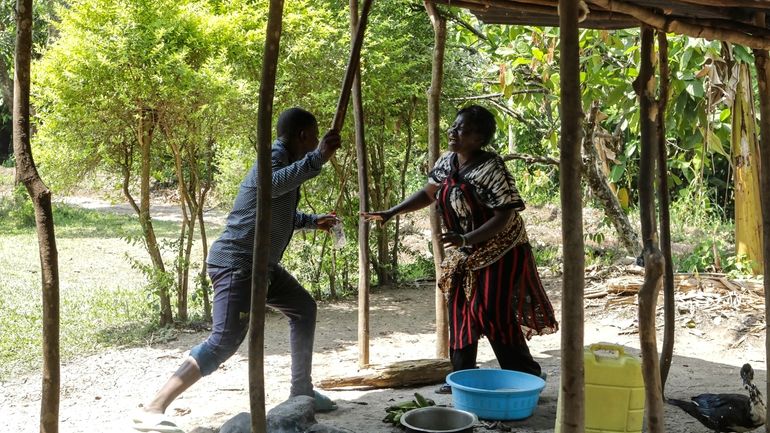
453	239
382	216
325	222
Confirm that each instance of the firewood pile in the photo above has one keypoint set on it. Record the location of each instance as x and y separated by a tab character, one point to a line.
713	297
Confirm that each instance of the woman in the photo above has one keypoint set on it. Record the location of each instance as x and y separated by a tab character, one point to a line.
489	278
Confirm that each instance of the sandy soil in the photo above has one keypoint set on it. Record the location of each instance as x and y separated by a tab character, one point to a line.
714	337
100	391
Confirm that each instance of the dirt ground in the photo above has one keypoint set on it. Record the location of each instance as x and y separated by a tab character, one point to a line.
99	392
714	337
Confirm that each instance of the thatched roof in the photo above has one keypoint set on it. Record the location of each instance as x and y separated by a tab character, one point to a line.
729	20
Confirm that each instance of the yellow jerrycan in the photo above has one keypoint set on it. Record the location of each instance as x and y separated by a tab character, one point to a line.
614	391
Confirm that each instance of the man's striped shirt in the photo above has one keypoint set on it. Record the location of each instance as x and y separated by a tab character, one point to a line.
235	247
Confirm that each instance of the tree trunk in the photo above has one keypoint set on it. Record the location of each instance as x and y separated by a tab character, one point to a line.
573	281
333	276
6	87
364	275
6	84
602	189
203	187
402	182
411	373
665	218
26	173
145	128
189	208
745	159
380	201
259	268
653	259
434	113
762	62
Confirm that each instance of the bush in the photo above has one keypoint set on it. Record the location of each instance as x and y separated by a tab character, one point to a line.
18	210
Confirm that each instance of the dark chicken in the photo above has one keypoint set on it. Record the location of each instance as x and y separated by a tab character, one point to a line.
728	412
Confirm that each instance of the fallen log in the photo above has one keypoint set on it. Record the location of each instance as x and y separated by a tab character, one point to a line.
397	375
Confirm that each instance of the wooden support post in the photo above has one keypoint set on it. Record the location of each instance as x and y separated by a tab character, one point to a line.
762	62
259	268
573	280
653	259
26	173
434	98
669	306
363	206
353	61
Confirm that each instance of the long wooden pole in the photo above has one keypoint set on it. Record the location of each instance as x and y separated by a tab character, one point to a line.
653	259
434	114
259	268
669	307
573	280
26	173
353	61
363	206
668	25
762	63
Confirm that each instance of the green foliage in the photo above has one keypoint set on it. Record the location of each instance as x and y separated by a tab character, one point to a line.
396	411
17	212
421	267
547	256
714	255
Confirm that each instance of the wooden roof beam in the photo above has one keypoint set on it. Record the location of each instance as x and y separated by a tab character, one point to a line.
756	4
483	5
670	25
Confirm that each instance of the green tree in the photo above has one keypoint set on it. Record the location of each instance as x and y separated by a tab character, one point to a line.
125	82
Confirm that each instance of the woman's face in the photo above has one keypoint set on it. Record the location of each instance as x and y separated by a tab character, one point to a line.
463	136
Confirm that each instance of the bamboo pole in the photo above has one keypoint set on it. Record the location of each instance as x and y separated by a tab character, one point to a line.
653	259
434	98
669	306
26	173
762	62
353	61
259	269
573	281
363	206
669	25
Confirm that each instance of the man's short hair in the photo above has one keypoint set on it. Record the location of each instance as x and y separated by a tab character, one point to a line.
294	120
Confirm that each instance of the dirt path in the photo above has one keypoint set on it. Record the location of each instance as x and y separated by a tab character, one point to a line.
100	391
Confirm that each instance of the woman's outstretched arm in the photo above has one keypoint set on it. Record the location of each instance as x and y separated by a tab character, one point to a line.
420	199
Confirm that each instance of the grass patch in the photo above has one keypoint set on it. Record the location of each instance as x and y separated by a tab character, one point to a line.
104	300
17	218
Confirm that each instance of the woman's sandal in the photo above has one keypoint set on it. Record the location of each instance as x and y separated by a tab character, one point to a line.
444	389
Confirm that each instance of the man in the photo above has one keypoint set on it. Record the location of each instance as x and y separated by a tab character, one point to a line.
297	156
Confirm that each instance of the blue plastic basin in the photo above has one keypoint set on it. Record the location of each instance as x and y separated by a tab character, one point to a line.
495	394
